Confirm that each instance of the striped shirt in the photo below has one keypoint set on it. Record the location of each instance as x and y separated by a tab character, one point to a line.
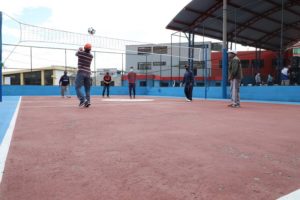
84	61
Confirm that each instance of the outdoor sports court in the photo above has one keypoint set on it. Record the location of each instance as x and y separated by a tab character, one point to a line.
152	148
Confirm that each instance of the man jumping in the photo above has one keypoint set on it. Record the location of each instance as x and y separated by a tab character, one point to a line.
84	74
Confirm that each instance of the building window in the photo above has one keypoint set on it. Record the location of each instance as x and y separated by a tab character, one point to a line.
164	84
143	83
199	64
200	84
48	77
144	50
196	64
32	78
14	79
159	63
144	65
160	49
245	63
257	63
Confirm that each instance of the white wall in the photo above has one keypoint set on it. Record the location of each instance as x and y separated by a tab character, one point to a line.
179	53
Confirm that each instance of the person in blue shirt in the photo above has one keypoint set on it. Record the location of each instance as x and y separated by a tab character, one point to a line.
188	81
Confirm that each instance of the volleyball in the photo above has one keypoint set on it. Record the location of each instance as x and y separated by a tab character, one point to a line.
91	31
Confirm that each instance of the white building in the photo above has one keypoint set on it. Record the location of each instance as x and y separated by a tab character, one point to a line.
38	76
166	61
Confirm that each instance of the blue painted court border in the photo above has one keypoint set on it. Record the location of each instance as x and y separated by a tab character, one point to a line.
7	110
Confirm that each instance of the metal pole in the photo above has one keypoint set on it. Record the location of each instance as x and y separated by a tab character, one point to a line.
191	50
281	37
171	56
224	52
95	71
159	70
1	65
205	58
179	60
65	59
30	58
146	69
122	73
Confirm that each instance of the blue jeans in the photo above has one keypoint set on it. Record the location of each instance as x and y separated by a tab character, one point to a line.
132	89
105	87
83	79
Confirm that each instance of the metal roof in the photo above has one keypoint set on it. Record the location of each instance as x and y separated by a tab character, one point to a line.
254	23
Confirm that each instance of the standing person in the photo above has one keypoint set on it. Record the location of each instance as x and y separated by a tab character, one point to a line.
83	75
188	81
270	79
257	79
106	82
64	83
131	82
285	76
235	75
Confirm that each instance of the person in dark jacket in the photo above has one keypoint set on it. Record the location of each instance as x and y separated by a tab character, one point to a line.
83	77
106	84
64	83
188	81
235	75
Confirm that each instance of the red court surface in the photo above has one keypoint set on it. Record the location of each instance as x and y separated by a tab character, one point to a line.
165	149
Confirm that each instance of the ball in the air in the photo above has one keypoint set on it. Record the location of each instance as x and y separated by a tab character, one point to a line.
91	31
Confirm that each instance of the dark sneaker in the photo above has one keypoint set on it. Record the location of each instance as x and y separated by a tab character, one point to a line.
87	104
235	106
82	103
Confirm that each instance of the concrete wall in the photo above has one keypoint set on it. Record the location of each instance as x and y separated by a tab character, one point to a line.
263	93
55	90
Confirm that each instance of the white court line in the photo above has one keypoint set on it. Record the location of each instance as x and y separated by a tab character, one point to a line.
128	100
291	196
4	147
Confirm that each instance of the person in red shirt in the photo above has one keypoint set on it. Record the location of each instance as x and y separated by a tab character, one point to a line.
131	82
106	82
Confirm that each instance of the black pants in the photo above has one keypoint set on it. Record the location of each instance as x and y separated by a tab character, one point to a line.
188	91
132	89
105	87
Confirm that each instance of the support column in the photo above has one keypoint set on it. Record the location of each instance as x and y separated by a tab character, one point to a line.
224	52
21	78
42	77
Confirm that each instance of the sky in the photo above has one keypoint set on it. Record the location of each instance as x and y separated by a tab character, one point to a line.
128	19
137	20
